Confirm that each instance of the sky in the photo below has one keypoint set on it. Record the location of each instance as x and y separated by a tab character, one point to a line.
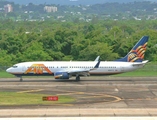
71	2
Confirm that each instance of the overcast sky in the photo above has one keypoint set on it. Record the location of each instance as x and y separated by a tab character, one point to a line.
71	2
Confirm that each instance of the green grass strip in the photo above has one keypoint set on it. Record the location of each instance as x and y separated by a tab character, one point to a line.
137	74
13	98
4	74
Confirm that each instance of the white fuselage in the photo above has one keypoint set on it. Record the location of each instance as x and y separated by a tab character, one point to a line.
49	68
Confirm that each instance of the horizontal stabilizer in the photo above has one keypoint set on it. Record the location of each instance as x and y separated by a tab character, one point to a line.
144	62
140	63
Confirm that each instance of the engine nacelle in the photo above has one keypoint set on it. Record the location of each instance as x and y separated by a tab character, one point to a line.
61	75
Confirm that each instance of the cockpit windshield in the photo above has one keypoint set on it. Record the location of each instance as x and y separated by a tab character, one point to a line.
14	66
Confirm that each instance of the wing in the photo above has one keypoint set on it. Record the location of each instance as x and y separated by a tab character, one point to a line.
82	71
65	74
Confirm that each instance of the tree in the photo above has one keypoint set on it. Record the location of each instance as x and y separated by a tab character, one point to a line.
5	59
99	49
35	52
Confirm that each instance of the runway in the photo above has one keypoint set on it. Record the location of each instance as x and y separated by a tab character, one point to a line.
104	95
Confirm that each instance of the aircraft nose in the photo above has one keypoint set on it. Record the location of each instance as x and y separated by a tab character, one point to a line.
8	70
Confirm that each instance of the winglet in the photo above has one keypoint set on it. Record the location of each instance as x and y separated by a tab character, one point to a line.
97	59
97	65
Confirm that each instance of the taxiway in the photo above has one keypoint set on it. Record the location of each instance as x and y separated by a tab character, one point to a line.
95	96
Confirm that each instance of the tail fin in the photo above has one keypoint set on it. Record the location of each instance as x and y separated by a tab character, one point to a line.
137	52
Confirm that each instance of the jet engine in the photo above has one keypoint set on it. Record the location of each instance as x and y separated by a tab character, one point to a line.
61	75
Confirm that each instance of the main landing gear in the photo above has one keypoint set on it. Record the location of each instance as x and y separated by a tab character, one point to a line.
77	78
21	79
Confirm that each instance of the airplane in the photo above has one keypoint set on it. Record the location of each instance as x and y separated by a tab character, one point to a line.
66	69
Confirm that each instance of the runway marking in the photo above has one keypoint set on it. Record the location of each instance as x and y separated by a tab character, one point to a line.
141	99
117	99
28	91
116	90
65	104
71	93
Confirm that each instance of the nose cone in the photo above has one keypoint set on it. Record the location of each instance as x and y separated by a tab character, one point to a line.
8	70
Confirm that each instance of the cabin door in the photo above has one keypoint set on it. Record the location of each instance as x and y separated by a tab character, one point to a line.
24	68
122	68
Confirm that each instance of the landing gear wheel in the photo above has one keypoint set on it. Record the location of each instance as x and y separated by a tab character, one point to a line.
77	78
21	79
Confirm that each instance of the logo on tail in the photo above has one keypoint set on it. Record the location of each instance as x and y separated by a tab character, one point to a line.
137	54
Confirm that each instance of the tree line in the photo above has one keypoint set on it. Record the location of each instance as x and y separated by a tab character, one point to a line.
58	41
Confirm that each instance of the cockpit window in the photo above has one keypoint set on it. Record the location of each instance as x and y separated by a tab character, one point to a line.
14	66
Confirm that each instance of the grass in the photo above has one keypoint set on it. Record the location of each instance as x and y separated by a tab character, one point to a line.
138	74
13	98
4	74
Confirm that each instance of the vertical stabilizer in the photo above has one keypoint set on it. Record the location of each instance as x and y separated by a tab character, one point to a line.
137	52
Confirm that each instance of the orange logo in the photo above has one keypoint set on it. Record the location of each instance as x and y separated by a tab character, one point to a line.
138	53
132	57
38	69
